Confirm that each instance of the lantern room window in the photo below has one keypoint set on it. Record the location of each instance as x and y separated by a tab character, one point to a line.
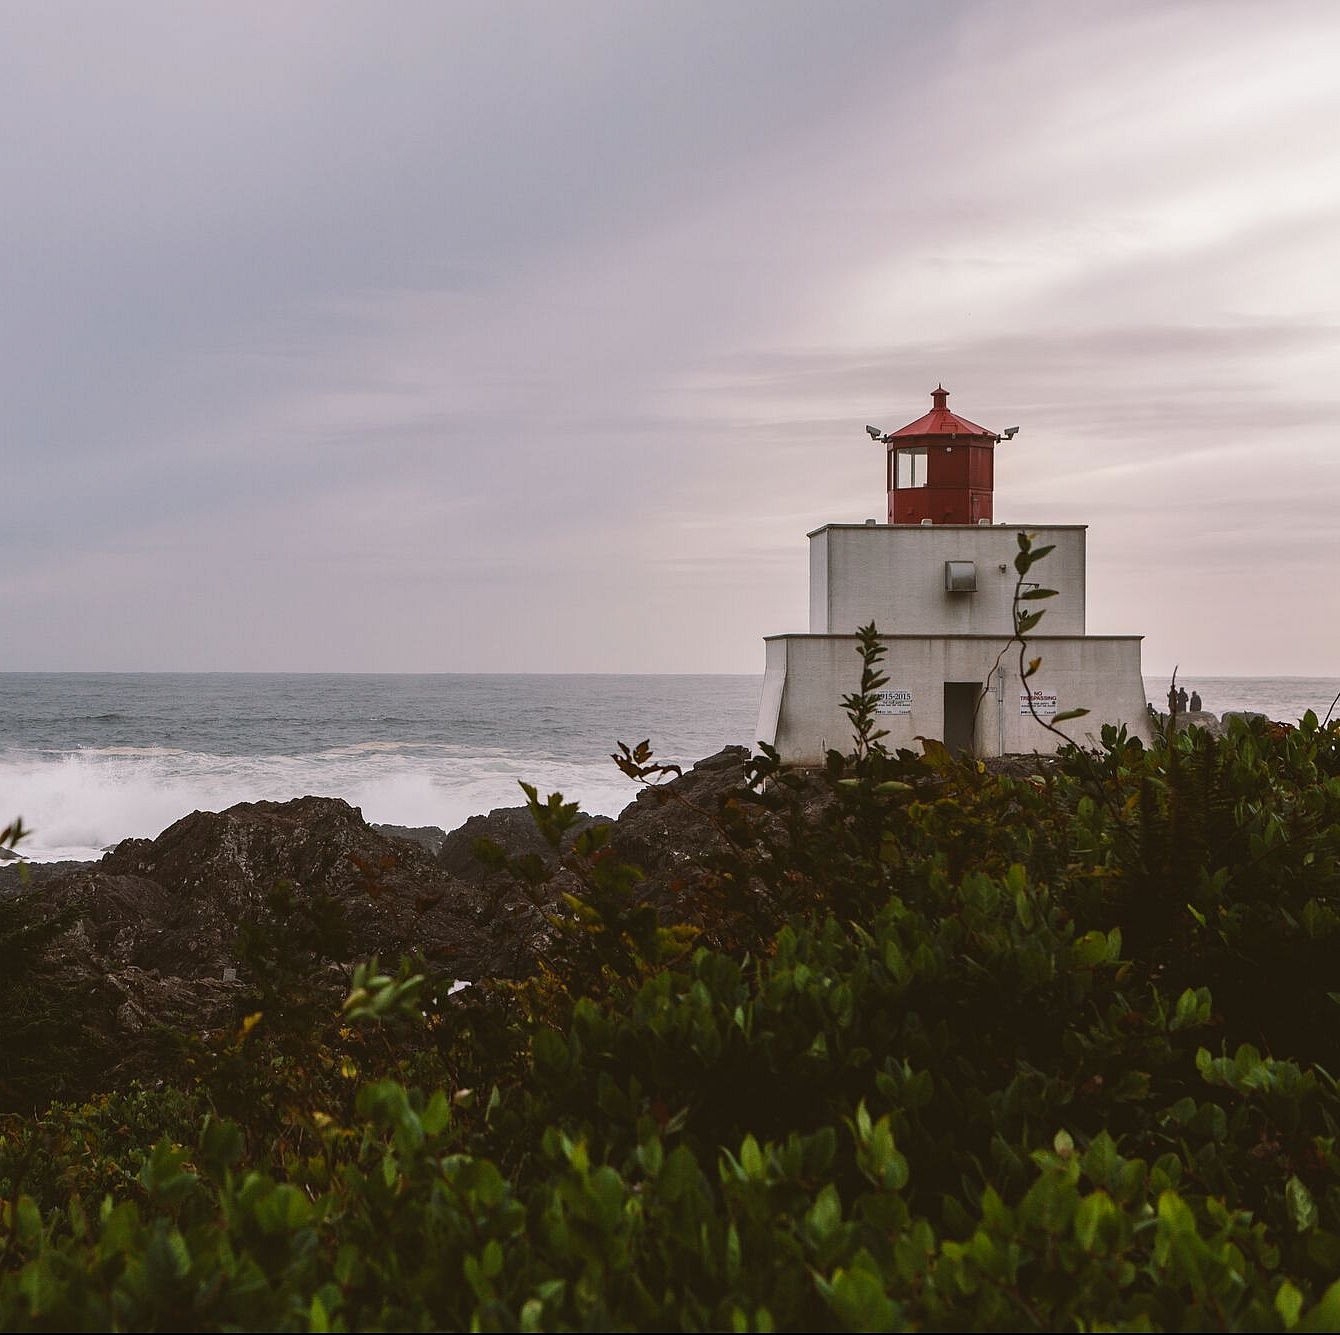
910	469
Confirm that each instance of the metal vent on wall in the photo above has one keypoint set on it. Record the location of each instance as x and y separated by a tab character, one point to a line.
960	576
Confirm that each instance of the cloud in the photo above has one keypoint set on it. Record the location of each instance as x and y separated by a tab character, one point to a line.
541	335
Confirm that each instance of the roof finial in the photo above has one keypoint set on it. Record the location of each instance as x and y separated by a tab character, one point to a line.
939	395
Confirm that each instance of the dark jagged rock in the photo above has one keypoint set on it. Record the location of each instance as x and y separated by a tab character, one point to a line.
426	836
393	894
669	831
670	827
504	908
150	936
514	830
16	877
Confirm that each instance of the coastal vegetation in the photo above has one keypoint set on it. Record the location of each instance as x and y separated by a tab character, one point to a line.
922	1043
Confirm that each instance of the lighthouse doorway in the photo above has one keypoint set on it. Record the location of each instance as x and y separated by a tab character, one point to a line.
960	708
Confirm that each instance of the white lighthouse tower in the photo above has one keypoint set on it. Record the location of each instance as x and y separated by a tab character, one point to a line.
938	581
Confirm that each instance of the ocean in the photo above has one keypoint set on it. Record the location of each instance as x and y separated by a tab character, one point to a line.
88	759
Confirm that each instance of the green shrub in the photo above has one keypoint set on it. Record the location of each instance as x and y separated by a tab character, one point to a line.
938	1048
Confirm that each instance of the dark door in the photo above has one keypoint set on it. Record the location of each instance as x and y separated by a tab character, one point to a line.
960	706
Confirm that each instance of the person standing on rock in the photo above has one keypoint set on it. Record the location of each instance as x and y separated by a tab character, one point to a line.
1172	699
1181	699
1195	702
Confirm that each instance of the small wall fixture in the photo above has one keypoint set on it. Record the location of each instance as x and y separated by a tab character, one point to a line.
960	576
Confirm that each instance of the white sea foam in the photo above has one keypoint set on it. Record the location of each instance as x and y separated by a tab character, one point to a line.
78	803
157	752
370	748
88	759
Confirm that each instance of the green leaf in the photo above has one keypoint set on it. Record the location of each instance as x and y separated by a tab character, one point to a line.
28	1221
1289	1304
679	1174
751	1159
1176	1222
1091	949
1300	1205
859	1302
283	1210
1023	909
1193	1008
826	1213
1326	1314
1093	1212
437	1115
221	1145
732	1253
651	1156
167	1258
863	1122
318	1319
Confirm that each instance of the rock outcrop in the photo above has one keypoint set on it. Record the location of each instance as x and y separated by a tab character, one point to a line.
20	875
1200	718
149	935
514	831
666	828
430	837
670	828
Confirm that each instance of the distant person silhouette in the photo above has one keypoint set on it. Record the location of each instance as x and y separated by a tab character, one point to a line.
1172	699
1195	702
1181	699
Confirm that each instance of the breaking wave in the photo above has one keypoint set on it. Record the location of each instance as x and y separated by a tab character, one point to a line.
78	803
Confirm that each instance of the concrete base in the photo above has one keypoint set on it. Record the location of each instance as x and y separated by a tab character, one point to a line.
945	687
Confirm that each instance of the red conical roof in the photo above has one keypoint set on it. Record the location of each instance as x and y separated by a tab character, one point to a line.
941	422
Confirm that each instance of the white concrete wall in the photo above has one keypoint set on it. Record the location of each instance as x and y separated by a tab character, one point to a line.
893	574
806	677
819	586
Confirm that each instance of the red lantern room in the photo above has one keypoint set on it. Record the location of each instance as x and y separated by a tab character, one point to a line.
941	468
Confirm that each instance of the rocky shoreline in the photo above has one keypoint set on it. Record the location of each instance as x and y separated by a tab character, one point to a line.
1214	724
148	935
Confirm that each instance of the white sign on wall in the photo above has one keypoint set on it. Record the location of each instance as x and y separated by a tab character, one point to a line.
893	702
1044	703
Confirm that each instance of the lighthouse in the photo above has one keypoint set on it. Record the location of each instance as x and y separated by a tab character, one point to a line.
938	581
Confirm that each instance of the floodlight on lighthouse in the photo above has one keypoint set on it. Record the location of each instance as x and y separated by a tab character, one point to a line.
1009	433
874	433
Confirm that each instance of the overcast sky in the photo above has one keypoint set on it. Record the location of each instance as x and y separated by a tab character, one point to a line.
534	337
